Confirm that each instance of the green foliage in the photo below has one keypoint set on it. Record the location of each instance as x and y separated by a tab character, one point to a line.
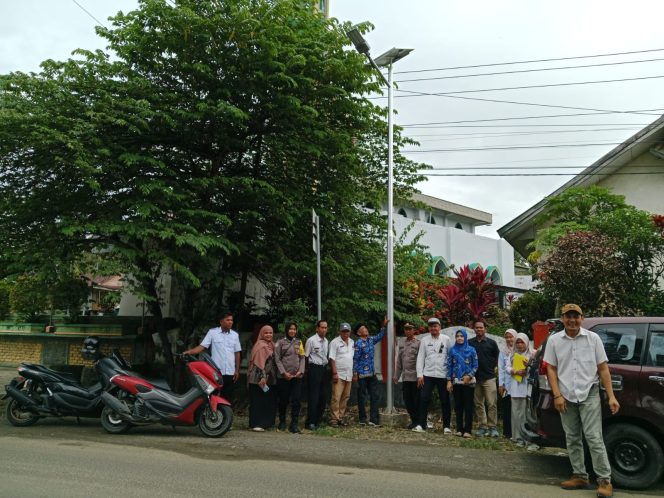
198	149
581	204
110	300
457	301
68	294
4	299
628	269
529	308
586	269
28	297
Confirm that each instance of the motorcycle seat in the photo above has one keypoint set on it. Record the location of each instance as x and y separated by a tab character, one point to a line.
160	383
66	376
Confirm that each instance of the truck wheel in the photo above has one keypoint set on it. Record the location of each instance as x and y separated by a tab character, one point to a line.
636	457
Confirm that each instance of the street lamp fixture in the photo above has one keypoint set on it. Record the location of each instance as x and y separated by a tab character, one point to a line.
386	60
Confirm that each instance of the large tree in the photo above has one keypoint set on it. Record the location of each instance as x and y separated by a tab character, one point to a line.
197	144
601	251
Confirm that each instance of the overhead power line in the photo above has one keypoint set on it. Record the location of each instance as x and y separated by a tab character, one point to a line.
540	174
430	127
532	61
520	71
535	168
523	87
534	104
89	14
512	134
517	147
543	116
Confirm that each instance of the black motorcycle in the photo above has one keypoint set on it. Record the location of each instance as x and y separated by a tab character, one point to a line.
41	392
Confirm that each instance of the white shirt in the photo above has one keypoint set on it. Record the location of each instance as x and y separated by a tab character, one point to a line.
504	370
576	359
316	350
223	346
342	354
432	356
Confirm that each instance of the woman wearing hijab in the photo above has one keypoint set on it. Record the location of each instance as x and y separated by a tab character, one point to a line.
289	358
461	369
519	386
262	379
504	364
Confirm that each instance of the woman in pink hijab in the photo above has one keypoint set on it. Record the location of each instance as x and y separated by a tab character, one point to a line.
262	378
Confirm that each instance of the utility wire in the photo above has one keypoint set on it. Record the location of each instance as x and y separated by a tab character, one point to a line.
524	87
535	168
539	174
511	134
433	78
532	61
416	93
88	13
547	116
428	127
517	147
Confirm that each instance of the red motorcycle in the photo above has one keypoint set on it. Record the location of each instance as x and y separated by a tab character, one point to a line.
135	401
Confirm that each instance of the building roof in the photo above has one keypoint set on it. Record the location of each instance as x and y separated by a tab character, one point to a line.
113	282
609	163
480	217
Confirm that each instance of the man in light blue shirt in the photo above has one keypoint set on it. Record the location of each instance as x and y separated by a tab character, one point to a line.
224	346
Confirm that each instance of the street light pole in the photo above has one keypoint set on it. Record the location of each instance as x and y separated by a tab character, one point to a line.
386	60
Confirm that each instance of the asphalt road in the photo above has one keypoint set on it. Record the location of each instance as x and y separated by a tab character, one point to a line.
55	467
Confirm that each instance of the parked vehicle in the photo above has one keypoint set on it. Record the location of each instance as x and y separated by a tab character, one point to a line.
40	392
634	437
133	401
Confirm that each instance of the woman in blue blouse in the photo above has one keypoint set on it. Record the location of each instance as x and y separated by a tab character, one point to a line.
461	368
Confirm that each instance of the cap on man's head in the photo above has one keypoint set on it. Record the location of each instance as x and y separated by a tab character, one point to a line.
571	307
344	326
433	320
408	325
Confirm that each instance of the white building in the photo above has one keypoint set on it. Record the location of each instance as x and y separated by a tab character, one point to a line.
449	233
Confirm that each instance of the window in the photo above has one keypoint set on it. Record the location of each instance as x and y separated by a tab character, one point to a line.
459	226
432	220
403	212
655	356
623	342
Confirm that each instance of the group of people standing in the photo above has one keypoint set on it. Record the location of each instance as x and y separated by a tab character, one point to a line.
276	370
465	369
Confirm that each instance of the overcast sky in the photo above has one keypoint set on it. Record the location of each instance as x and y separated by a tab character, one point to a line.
444	34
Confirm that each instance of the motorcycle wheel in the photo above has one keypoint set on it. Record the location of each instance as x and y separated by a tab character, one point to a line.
112	423
218	423
19	417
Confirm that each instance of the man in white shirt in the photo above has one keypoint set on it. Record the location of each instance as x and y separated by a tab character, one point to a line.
577	363
224	347
315	351
432	372
341	365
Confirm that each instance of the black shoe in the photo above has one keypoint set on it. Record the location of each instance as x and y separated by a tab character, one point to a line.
294	429
311	427
282	426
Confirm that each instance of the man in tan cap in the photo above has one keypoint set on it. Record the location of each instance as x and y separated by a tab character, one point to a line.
577	363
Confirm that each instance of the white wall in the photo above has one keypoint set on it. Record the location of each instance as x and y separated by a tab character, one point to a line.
642	191
460	248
